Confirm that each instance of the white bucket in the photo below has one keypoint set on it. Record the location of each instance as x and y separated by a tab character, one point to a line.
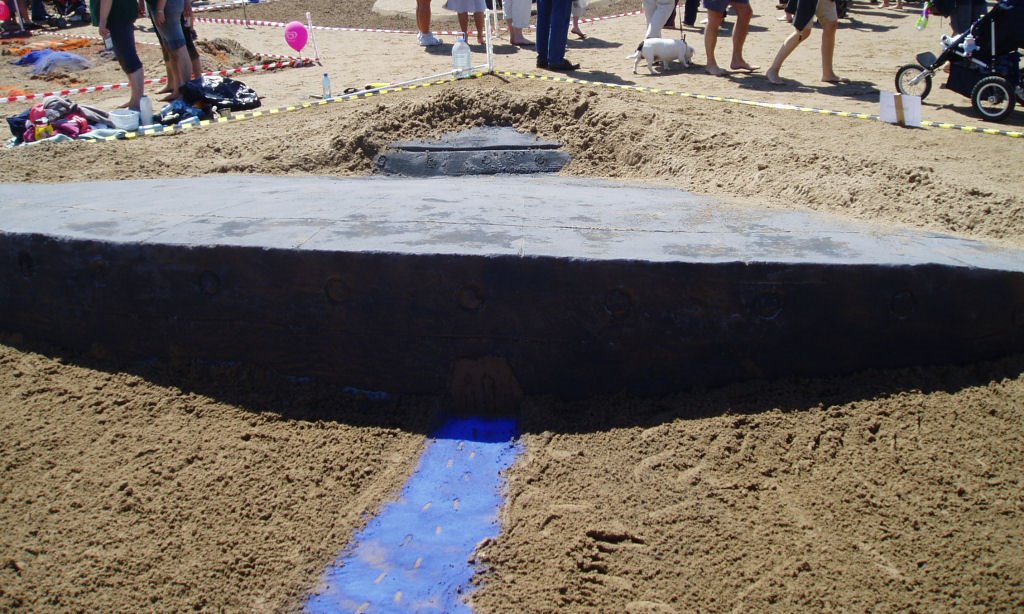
125	119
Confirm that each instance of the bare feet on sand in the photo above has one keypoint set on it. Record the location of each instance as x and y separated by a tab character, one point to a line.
773	77
834	79
714	70
744	65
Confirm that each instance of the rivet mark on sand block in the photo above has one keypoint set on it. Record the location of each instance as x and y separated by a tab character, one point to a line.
768	306
25	264
209	283
336	290
903	305
618	303
470	298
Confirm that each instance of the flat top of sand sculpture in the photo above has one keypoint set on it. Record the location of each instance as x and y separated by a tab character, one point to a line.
499	215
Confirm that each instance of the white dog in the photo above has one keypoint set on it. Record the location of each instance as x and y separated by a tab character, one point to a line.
663	50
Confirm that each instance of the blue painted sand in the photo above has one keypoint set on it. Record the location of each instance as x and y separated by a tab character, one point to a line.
413	557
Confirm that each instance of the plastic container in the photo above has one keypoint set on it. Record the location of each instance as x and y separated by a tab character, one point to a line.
462	57
125	119
327	86
145	111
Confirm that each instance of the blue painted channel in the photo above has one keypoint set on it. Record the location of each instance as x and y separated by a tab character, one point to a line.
413	557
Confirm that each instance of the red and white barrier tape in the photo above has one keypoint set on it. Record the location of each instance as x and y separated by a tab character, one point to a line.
278	24
115	86
156	44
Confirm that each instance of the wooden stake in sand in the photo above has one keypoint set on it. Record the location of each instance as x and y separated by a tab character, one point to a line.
312	35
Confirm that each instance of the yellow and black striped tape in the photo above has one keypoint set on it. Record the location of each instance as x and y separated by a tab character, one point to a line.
235	117
247	115
754	103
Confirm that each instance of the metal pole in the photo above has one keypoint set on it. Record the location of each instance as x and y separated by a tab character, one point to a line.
312	34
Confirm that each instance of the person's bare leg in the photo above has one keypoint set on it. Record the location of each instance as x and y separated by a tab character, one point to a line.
179	66
172	78
828	47
423	15
788	46
478	19
576	28
739	36
464	24
136	84
715	20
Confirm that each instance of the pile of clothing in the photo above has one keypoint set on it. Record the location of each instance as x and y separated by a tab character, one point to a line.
57	116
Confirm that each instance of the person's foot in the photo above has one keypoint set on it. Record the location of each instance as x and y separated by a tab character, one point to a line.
835	79
744	65
427	39
542	63
523	43
563	66
773	77
579	33
714	70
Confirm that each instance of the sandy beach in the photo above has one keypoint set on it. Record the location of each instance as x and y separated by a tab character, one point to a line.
128	487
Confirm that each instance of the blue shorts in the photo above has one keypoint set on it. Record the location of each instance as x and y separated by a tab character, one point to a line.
171	33
719	6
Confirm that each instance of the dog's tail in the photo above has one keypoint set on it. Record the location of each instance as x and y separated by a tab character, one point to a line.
636	53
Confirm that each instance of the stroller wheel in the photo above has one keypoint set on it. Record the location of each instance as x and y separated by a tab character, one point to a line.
914	80
993	98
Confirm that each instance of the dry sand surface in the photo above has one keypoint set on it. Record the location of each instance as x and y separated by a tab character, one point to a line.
177	487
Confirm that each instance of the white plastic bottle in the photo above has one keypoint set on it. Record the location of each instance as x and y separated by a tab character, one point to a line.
327	86
462	58
145	111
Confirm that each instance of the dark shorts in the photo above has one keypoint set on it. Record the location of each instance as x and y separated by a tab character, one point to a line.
719	6
966	13
123	37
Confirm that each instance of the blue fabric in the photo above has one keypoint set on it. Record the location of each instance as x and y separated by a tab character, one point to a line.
552	30
413	556
32	57
60	59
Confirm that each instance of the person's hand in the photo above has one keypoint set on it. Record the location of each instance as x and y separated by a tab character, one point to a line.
104	31
158	16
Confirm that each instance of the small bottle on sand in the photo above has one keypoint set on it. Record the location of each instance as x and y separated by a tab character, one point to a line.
145	111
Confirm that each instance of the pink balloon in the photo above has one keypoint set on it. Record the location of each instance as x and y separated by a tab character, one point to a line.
295	35
4	11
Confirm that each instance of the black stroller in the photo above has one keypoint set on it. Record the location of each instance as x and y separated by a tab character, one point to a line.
984	63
